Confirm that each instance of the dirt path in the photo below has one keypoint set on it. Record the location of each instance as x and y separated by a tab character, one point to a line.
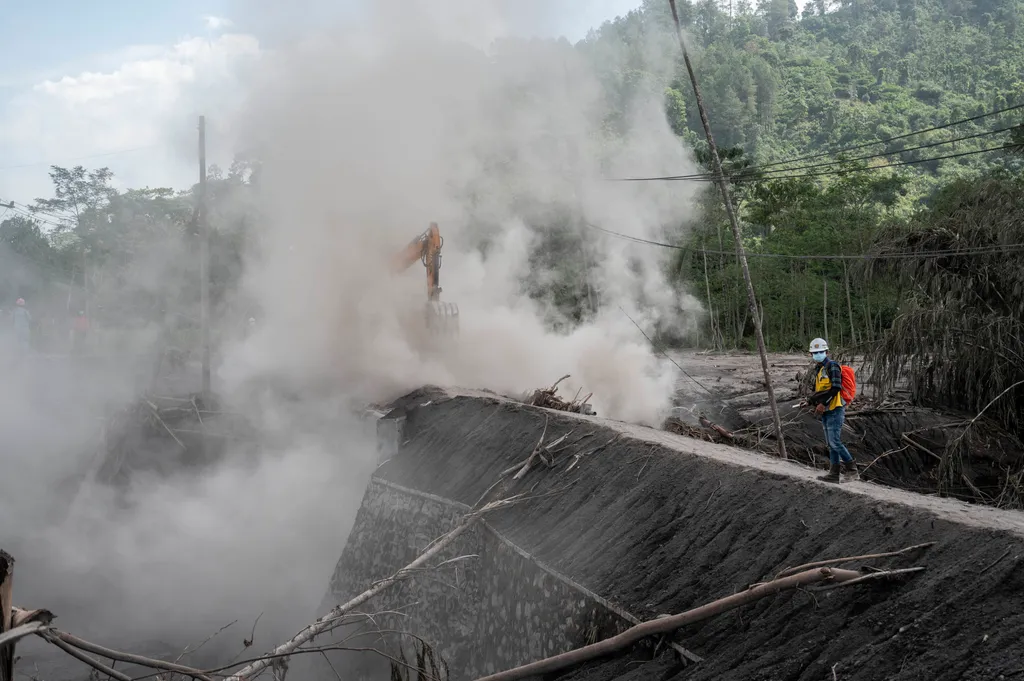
942	508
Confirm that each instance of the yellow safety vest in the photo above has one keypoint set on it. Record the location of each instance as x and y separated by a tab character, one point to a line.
822	382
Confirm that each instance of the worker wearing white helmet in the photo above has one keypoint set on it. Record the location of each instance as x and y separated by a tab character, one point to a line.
827	401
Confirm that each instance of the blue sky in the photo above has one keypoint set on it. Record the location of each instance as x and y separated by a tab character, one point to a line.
53	36
77	43
50	36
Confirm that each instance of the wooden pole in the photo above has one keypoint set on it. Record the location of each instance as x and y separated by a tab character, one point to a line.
6	612
204	264
741	253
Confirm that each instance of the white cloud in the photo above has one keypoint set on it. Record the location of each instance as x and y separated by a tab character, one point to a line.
217	23
149	102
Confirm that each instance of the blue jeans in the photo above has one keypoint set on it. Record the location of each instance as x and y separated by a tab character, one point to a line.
832	421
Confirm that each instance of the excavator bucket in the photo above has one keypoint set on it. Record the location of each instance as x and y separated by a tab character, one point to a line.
442	319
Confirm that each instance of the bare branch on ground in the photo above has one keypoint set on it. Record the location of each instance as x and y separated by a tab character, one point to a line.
839	561
832	576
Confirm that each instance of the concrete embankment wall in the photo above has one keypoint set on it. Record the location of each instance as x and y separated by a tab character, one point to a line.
654	523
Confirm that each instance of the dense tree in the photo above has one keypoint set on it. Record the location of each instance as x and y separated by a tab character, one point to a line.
845	73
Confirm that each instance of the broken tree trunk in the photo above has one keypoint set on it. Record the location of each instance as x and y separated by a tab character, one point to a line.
6	611
666	625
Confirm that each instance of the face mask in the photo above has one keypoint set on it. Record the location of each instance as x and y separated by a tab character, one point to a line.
818	356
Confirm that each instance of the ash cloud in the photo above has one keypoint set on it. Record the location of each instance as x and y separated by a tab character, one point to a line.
425	112
367	131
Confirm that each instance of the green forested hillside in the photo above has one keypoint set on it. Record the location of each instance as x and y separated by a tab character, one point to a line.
843	74
781	85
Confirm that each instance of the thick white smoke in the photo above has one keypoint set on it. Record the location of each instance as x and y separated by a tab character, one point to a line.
423	112
407	114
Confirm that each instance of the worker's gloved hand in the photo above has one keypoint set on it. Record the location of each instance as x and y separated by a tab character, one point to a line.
819	410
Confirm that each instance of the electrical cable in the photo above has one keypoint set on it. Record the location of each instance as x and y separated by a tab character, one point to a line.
898	137
81	158
849	149
36	211
33	216
894	164
985	250
841	171
756	173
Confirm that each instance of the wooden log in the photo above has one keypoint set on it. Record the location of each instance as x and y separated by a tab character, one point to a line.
704	421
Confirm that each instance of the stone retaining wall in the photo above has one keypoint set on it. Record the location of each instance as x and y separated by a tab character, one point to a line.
494	606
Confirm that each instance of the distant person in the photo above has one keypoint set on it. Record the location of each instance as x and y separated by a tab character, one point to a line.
827	401
22	325
79	331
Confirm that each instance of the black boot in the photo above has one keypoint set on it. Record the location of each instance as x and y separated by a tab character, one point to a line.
833	473
850	470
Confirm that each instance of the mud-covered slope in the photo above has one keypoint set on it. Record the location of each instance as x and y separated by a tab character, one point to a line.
659	524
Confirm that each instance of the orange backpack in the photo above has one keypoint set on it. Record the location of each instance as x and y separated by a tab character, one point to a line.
849	388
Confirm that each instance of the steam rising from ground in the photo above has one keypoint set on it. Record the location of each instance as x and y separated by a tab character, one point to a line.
367	137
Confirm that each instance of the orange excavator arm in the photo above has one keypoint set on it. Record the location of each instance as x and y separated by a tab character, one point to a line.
427	249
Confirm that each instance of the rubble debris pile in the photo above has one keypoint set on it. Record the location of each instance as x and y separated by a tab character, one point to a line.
709	432
165	434
549	399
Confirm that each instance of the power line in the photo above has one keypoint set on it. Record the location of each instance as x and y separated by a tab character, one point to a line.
899	137
840	171
81	158
36	211
772	174
669	358
32	216
894	164
903	151
854	147
981	250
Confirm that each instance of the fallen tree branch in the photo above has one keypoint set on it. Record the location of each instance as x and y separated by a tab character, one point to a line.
128	658
840	561
82	657
25	623
533	455
549	399
18	633
871	577
669	624
156	413
905	437
331	619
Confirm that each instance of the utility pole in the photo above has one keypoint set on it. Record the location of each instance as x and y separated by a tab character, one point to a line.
741	253
204	263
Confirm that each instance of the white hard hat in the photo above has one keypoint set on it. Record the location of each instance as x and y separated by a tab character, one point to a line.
818	345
